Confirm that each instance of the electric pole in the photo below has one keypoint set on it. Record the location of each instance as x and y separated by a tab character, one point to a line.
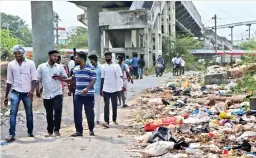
249	31
231	36
215	28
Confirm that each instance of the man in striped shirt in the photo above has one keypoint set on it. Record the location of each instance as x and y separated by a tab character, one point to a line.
85	77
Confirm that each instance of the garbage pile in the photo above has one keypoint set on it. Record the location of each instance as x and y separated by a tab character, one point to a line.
186	119
214	69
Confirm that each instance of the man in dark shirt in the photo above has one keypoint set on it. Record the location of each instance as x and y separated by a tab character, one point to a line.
141	67
134	63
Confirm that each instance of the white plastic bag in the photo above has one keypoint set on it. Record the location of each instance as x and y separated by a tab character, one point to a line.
157	149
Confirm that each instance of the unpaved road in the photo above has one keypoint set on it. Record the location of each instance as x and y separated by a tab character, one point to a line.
108	143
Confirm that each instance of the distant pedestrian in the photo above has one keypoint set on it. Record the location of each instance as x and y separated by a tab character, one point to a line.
111	84
21	81
71	63
65	68
72	85
85	77
177	64
97	98
52	91
182	65
134	64
141	64
128	61
126	78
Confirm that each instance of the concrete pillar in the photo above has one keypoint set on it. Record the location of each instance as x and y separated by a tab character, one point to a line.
106	39
42	30
165	22
93	28
147	40
102	42
128	39
172	19
133	37
137	38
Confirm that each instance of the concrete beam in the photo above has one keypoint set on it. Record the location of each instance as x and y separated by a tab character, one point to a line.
42	30
92	3
186	19
182	16
178	12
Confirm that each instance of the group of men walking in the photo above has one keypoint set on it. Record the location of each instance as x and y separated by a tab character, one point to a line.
136	66
87	81
178	63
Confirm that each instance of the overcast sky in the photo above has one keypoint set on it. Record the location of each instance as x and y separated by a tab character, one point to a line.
227	12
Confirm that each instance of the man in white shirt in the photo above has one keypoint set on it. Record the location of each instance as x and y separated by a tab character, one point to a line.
177	64
71	64
111	84
21	80
52	91
182	65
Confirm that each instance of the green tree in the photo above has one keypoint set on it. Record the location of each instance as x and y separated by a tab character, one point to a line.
249	45
7	42
78	38
17	28
181	45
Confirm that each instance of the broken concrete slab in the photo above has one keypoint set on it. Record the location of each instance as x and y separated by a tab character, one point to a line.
221	78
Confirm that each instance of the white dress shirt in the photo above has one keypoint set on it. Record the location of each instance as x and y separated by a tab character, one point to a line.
71	65
173	60
182	62
20	76
51	87
112	78
177	61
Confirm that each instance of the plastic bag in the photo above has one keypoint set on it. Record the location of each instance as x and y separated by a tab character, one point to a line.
157	149
160	134
144	138
152	125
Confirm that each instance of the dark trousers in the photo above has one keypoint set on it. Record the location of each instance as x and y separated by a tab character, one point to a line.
15	98
182	70
136	72
53	109
107	96
88	103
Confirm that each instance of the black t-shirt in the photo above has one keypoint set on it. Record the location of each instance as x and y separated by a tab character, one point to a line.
141	63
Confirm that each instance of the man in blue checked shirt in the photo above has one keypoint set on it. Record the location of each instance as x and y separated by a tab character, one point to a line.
85	77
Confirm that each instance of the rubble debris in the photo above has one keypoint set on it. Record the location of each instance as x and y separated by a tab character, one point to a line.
208	121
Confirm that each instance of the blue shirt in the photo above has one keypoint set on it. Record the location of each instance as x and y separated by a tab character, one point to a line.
135	61
83	78
97	84
128	62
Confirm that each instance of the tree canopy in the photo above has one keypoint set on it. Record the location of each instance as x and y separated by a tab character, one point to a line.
6	44
78	38
17	28
248	45
181	45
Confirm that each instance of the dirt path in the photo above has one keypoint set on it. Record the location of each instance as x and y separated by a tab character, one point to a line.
108	143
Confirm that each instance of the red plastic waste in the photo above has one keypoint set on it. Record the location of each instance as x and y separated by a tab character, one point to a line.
152	125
